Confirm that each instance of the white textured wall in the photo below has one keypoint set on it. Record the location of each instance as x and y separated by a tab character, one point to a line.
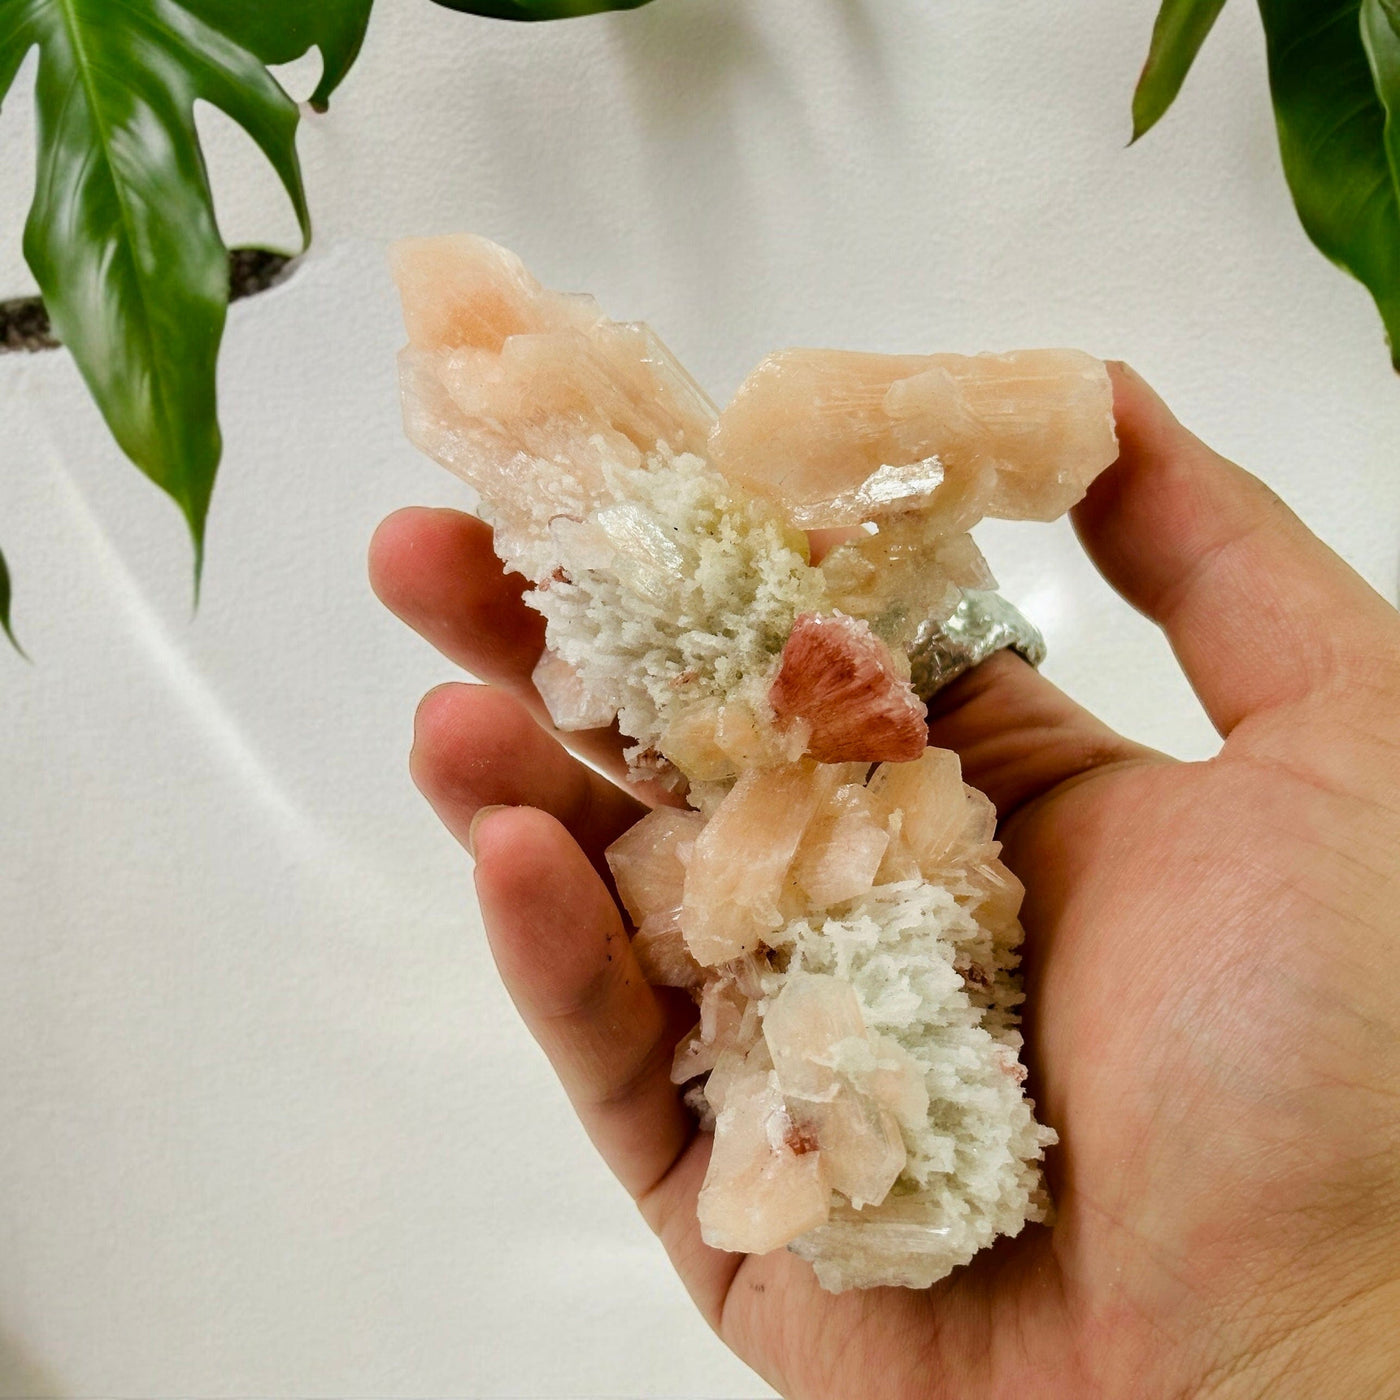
270	1127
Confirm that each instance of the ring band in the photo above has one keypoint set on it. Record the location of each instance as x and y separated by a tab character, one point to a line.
982	623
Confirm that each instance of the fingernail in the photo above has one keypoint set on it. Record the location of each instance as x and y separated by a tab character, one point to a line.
481	816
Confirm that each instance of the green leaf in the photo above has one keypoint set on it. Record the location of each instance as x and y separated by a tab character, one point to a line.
279	32
1177	36
538	9
5	607
121	235
1332	135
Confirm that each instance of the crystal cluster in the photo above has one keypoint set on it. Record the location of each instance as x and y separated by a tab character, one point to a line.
831	894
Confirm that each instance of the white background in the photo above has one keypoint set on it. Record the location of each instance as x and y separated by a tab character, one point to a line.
269	1126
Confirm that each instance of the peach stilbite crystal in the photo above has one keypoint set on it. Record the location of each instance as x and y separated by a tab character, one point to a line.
648	861
835	437
738	867
843	848
531	396
571	705
929	796
767	1183
729	1022
809	430
662	953
808	1025
848	931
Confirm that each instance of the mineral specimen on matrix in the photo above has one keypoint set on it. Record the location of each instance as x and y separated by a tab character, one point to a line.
825	886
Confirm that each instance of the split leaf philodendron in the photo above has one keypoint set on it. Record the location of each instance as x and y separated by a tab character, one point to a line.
281	32
121	236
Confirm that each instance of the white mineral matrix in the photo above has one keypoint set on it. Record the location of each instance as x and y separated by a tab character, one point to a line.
832	894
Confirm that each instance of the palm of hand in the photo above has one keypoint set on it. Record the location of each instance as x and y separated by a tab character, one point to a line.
1210	1027
1204	1027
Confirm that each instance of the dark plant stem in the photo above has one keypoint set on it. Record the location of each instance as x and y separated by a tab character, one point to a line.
24	321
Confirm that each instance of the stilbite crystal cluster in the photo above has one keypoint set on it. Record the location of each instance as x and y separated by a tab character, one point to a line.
832	895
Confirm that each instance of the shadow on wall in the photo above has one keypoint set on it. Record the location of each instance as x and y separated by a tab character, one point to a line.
739	125
21	1377
701	76
665	129
688	54
684	65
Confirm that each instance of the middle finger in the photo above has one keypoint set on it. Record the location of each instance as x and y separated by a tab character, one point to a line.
475	746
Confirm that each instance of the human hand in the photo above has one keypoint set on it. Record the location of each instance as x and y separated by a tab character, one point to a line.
1213	1007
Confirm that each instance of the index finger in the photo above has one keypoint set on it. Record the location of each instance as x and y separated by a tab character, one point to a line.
436	569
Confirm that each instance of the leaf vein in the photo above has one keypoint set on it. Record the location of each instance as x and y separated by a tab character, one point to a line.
1314	146
1380	185
1309	35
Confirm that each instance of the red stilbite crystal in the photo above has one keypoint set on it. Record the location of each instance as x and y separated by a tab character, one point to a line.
841	678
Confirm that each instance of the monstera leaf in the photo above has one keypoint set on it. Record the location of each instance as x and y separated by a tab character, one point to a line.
538	9
121	235
1334	73
279	32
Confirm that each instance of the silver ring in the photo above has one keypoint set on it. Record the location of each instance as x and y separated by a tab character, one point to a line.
981	624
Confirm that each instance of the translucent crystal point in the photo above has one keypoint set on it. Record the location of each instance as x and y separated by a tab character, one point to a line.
648	861
842	849
807	1028
930	797
739	864
571	704
835	437
909	575
766	1184
531	396
729	1022
904	1241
